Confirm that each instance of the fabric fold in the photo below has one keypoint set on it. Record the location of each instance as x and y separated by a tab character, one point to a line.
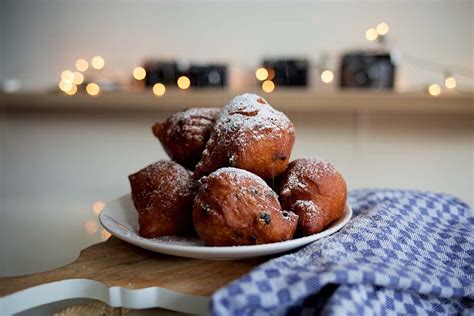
403	252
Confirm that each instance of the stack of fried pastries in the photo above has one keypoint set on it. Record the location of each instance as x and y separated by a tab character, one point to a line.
230	180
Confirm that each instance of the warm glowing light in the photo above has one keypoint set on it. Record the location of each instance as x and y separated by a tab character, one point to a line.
82	64
93	89
65	85
183	82
97	207
139	73
450	82
271	73
159	89
97	62
268	86
91	226
67	75
382	28
72	91
371	34
105	234
78	78
327	76
434	90
261	74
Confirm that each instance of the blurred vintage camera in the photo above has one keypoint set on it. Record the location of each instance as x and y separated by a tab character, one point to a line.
373	70
290	72
200	76
165	72
208	76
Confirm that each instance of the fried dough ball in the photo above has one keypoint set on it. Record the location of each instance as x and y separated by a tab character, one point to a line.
249	134
184	135
235	207
314	190
163	194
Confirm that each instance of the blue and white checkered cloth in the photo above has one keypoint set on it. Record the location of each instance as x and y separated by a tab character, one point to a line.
403	252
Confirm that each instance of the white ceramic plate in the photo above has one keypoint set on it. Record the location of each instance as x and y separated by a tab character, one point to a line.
120	218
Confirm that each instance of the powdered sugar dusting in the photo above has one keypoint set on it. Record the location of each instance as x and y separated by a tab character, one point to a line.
238	173
165	181
311	209
171	240
244	183
245	112
306	168
192	123
245	118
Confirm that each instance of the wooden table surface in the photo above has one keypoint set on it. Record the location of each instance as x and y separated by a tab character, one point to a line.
116	263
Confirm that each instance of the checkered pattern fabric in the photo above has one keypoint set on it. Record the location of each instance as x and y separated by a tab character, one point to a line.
403	252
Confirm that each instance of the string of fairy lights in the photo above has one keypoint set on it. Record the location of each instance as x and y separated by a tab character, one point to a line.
379	33
71	80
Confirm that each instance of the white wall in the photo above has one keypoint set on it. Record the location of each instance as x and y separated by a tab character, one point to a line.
2	38
45	37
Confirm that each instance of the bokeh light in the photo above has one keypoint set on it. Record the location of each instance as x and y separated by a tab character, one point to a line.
91	226
183	82
271	73
65	85
67	75
97	207
434	90
105	234
450	82
82	64
93	89
72	91
139	73
327	76
382	28
261	74
268	86
159	89
98	62
78	78
371	34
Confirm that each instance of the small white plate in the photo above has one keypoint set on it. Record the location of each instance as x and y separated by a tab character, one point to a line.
120	218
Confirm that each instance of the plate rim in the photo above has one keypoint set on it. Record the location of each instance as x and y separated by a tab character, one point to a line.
268	248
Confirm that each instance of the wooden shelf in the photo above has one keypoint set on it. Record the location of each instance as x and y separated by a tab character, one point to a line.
288	100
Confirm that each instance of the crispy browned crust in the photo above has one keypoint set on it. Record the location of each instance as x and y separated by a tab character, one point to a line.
249	134
235	207
314	190
184	135
163	195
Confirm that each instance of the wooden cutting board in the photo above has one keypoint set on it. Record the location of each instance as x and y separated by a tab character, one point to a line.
118	264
